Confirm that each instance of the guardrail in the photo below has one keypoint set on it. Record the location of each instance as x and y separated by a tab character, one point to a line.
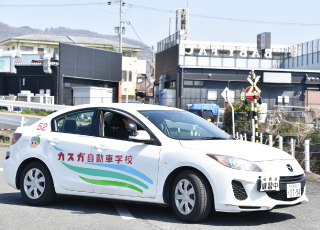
32	105
19	121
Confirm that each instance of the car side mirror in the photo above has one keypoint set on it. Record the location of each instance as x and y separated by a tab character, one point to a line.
133	129
142	135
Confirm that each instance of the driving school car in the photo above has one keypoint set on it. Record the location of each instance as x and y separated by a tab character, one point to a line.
169	156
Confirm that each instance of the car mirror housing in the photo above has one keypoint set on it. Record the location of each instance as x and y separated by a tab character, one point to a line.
142	135
133	129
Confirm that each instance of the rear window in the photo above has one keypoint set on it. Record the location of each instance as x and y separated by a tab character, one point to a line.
207	114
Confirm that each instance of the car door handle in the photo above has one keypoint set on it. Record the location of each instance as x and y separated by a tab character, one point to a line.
100	147
53	141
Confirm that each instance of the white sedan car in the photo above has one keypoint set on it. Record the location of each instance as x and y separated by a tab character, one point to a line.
148	153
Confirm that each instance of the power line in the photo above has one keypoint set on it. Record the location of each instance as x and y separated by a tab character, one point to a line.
254	21
129	23
168	11
58	5
227	19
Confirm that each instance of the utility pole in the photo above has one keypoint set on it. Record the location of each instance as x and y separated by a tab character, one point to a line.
120	29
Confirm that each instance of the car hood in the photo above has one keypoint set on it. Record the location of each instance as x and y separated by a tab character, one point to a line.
241	149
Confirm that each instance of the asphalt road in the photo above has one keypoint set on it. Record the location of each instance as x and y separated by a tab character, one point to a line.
83	213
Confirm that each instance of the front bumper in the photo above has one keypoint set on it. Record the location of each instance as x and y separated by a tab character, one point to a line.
222	181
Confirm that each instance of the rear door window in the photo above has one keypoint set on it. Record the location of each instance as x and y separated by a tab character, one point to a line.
78	122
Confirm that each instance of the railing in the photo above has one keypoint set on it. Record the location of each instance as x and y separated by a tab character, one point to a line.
168	42
306	160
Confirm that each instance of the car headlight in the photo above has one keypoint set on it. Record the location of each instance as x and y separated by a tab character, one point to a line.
235	163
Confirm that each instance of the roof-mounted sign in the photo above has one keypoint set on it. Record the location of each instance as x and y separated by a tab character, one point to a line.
264	41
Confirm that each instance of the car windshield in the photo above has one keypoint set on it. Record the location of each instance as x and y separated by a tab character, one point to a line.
182	125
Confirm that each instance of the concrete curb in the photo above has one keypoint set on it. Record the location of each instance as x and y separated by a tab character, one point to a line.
312	176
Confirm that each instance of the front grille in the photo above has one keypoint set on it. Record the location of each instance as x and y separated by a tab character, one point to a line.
282	195
291	179
238	190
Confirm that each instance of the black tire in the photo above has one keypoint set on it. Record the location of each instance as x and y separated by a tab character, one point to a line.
45	190
202	196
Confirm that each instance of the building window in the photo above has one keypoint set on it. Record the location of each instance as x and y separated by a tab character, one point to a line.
188	83
124	75
40	50
56	50
198	83
26	48
13	47
8	49
126	54
212	95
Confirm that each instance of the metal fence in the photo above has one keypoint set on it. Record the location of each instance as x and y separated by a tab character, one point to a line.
168	42
289	103
306	153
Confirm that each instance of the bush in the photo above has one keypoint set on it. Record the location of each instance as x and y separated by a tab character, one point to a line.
244	125
4	140
42	113
28	111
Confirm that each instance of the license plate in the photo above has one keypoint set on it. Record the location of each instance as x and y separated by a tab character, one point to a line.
293	190
209	119
269	183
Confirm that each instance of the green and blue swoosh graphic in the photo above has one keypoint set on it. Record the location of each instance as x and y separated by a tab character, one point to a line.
126	169
111	174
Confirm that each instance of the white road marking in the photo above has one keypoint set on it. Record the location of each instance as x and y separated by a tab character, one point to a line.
123	211
1	169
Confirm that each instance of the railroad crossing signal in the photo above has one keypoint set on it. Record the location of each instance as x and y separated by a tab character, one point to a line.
253	84
249	95
256	93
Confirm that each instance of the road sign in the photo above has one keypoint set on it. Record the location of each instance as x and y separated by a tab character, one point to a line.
225	92
249	95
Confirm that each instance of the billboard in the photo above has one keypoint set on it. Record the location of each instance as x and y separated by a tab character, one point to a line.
264	41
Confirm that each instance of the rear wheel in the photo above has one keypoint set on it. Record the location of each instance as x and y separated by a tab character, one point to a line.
36	184
191	196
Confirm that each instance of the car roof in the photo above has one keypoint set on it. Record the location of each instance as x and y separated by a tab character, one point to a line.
133	106
124	106
199	110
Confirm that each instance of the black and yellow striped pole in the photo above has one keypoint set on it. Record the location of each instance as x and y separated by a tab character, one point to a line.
255	89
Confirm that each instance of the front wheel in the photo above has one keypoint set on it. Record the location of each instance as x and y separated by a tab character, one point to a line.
36	184
191	196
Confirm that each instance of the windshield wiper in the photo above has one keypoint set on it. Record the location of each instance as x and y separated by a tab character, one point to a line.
213	138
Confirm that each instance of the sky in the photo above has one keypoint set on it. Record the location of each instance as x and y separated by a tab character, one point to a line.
150	18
